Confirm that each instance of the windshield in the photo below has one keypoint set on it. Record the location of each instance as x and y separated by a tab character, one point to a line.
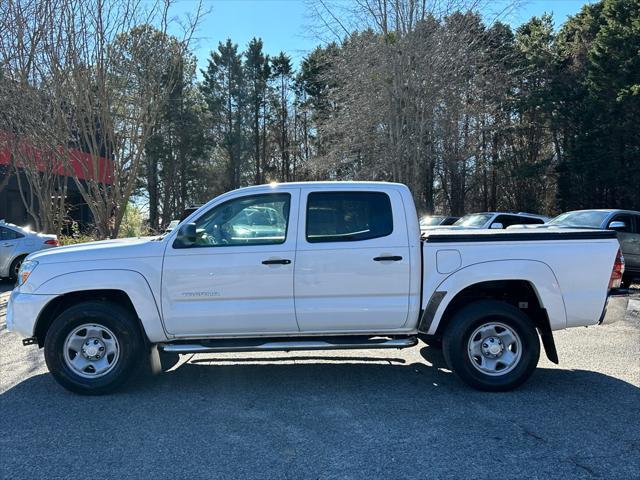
474	220
431	220
582	219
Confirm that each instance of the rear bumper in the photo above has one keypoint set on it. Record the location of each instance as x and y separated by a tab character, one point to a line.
616	307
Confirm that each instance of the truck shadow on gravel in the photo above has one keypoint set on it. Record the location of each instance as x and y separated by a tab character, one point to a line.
276	416
379	376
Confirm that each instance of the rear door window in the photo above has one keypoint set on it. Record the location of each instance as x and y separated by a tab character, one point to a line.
8	234
348	216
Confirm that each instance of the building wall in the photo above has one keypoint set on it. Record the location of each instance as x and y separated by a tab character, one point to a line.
12	207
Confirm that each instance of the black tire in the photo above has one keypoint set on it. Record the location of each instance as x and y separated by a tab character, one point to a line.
15	266
168	360
157	362
432	341
120	321
456	343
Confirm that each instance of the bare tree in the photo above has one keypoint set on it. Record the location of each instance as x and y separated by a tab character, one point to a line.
28	122
102	66
410	98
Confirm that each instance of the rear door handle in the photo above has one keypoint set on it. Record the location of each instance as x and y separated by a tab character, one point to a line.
394	258
280	261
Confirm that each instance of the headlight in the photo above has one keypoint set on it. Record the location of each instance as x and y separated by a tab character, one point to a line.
26	268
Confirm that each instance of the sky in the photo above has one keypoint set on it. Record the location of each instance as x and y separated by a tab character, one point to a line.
288	25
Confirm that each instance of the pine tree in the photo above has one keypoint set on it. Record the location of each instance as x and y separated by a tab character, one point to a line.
282	75
224	91
599	93
257	72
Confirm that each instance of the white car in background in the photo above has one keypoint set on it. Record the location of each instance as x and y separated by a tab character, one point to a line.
18	242
494	220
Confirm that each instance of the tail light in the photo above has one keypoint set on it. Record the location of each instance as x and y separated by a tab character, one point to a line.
53	241
618	269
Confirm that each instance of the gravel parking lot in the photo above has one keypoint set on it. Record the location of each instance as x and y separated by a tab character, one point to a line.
347	414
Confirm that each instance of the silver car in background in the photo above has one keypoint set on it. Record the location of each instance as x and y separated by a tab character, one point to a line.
497	220
625	222
18	242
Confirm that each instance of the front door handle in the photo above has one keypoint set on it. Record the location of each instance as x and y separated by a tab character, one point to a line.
280	261
7	245
393	258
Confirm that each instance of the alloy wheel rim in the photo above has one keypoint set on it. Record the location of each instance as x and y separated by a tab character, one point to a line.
91	350
494	349
16	269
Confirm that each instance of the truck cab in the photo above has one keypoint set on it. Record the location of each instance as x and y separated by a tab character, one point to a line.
323	243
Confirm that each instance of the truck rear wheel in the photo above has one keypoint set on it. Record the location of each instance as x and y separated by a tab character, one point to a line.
491	345
93	347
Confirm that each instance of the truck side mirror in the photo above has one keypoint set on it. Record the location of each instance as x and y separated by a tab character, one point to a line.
186	236
496	226
617	225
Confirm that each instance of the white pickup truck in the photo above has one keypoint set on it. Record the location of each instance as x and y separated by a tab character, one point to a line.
314	266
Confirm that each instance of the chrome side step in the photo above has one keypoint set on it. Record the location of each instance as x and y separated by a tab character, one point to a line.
272	345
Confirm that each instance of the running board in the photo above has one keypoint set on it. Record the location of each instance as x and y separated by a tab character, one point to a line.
272	345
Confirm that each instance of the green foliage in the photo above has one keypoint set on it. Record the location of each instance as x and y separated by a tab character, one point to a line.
224	92
66	240
176	171
258	120
314	78
133	224
76	236
598	81
257	73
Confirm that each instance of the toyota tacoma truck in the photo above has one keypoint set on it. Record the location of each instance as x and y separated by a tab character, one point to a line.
314	266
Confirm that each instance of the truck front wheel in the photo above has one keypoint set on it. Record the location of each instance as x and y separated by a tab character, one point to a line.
93	347
491	345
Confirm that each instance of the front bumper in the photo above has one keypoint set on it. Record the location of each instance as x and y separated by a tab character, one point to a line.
23	310
616	306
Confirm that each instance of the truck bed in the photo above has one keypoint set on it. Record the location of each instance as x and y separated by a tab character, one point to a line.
568	269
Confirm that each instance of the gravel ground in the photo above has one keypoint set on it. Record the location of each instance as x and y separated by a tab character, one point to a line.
346	414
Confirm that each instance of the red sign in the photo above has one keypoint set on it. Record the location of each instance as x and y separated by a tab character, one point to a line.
70	163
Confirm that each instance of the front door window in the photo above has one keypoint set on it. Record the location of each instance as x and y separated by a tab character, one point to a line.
252	220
